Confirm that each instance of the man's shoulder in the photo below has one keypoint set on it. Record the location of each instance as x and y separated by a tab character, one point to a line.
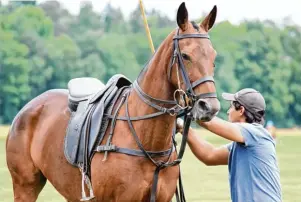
253	132
252	127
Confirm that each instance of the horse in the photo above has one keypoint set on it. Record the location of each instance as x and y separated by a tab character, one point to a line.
177	79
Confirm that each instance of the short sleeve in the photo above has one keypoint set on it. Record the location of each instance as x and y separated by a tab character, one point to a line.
250	134
229	146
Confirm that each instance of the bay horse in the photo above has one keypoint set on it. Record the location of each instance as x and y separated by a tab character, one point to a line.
35	143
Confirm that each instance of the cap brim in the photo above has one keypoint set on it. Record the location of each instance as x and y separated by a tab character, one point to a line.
228	96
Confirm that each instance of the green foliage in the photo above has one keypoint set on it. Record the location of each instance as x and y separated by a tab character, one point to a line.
260	65
291	43
44	46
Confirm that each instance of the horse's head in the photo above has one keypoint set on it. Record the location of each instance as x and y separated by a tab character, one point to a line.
192	65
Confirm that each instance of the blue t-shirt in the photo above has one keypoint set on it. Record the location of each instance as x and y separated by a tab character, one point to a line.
253	168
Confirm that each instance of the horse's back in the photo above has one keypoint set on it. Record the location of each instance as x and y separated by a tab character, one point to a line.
28	116
29	113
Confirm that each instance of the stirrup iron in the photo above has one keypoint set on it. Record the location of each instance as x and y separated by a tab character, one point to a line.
86	180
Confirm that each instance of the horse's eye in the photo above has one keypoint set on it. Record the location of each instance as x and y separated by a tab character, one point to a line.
185	56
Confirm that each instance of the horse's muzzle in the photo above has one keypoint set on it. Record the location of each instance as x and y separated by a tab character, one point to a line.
205	109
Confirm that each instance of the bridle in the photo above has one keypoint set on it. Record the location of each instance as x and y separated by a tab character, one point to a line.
188	96
175	110
177	56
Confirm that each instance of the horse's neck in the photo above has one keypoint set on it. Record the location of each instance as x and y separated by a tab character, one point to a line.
155	134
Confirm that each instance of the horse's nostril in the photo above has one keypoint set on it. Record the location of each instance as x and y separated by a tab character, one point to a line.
203	105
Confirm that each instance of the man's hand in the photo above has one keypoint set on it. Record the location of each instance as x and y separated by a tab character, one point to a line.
202	149
180	125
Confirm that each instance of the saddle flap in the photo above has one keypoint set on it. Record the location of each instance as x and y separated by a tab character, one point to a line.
98	117
73	133
117	80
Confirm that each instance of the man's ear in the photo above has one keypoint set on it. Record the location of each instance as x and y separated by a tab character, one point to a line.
242	110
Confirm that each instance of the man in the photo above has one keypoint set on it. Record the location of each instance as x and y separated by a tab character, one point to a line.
251	156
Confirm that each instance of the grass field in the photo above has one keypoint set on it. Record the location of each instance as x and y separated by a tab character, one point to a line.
201	183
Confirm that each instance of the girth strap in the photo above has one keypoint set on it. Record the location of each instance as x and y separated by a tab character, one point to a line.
133	152
137	118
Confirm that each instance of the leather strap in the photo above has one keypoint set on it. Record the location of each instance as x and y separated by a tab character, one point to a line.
133	152
138	89
185	36
202	80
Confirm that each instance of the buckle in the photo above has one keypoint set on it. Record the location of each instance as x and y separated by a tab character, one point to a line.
105	148
171	111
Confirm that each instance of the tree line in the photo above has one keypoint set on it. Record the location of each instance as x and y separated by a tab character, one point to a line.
43	46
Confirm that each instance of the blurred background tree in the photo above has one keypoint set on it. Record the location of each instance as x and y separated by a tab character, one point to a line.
43	46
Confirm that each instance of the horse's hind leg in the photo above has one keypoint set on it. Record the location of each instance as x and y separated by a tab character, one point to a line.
27	186
28	181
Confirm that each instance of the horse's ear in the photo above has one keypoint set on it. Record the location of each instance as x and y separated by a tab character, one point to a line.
209	20
182	17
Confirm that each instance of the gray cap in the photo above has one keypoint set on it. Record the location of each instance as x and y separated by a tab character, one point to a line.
250	98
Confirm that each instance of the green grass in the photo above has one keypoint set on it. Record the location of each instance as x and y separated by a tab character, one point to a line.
201	183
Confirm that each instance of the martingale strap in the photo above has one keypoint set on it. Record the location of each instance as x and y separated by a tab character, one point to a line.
163	165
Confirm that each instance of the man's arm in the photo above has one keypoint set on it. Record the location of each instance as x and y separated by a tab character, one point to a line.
205	151
224	129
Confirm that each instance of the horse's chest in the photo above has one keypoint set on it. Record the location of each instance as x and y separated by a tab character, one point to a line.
127	181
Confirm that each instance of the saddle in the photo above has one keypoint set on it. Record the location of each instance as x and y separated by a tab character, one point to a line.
90	101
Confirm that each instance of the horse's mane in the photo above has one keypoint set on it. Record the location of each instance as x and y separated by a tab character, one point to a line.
145	67
195	25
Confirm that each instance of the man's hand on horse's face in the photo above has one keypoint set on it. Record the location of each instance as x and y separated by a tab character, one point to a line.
180	125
